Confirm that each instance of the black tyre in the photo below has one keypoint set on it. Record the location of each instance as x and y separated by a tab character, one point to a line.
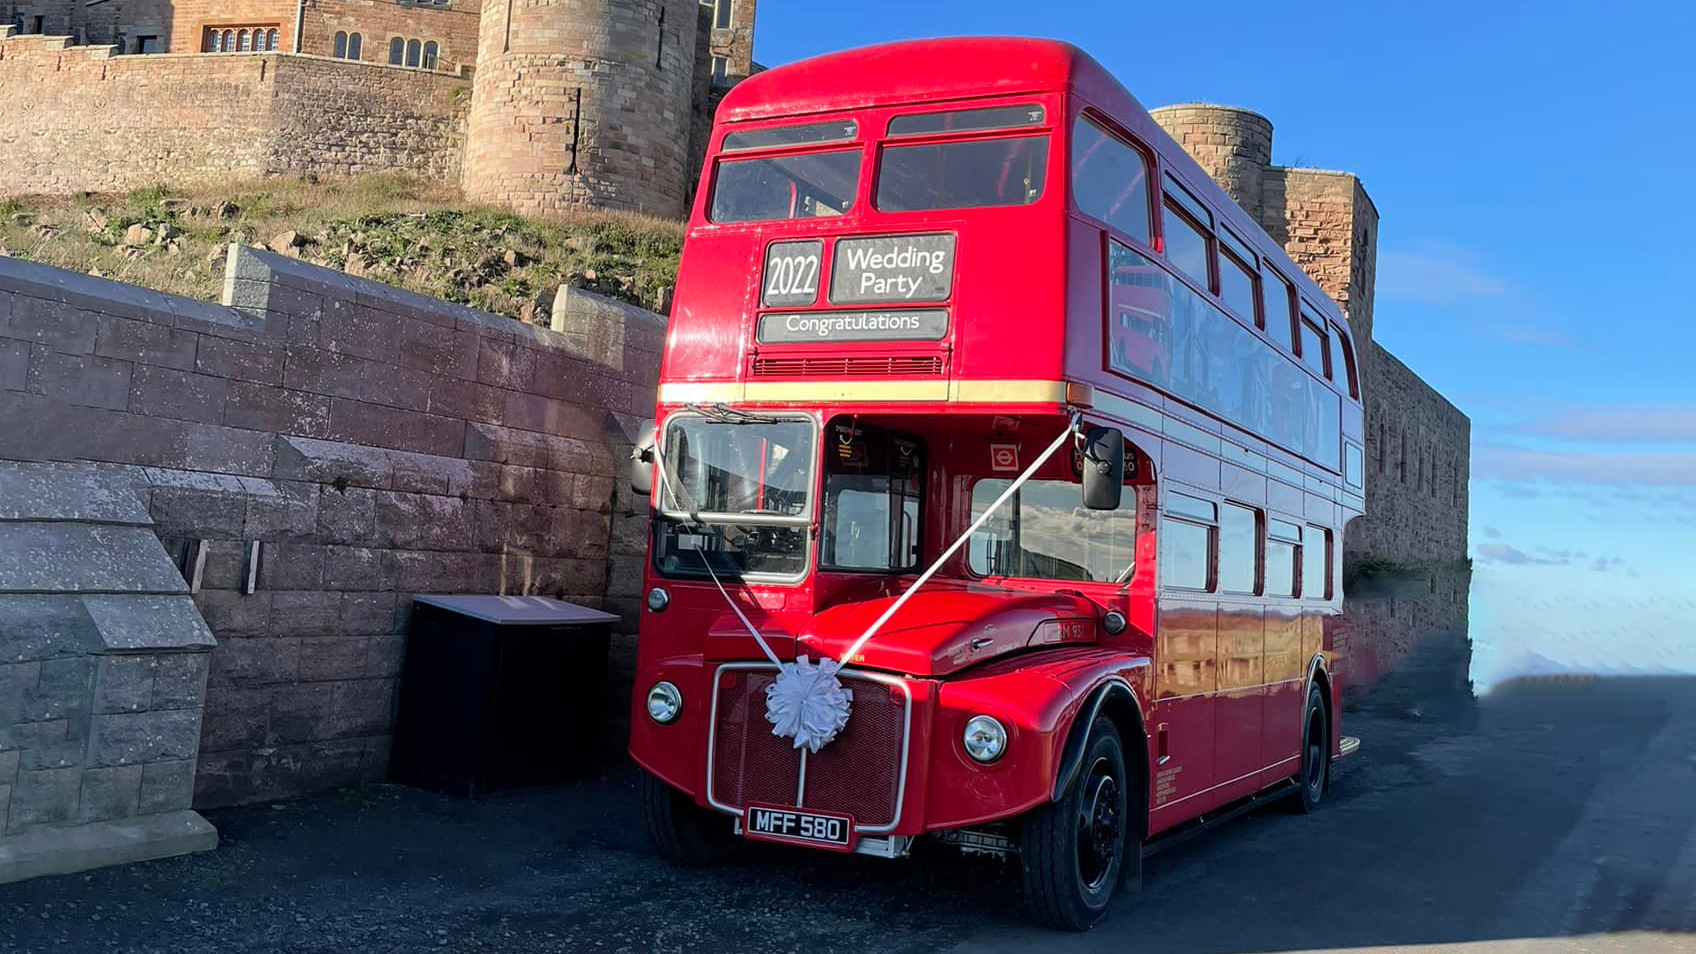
683	833
1315	774
1074	852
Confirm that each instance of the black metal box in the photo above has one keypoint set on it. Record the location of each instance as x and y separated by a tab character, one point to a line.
500	692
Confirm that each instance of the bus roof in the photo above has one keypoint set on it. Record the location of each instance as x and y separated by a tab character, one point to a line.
915	71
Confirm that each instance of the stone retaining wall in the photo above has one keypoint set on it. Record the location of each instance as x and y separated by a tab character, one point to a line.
370	442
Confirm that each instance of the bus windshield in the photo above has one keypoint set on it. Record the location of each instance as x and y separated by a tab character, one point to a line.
736	493
873	485
1009	170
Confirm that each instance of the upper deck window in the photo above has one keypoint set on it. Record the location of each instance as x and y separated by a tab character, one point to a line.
1110	179
786	187
1236	286
968	120
1280	313
1188	247
962	175
807	134
1315	346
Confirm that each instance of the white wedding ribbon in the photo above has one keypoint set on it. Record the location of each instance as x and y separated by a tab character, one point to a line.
807	702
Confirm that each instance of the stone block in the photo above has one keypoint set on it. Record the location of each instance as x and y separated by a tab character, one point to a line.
257	362
305	613
385	656
261	661
230	613
302	712
422	522
366	614
179	395
72	557
63	690
262	407
130	438
428	474
327	372
41	626
14	364
352	568
237	717
398	387
228	450
338	464
166	786
82	379
199	513
58	326
124	683
332	658
377	426
224	778
112	792
58	851
444	352
467	400
125	738
362	707
70	492
536	413
145	342
179	680
44	797
505	364
9	762
291	566
348	328
283	510
348	515
137	623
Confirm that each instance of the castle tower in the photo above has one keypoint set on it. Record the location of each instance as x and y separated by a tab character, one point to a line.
1234	145
582	104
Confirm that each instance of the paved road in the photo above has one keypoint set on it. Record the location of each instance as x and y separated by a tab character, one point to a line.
1549	819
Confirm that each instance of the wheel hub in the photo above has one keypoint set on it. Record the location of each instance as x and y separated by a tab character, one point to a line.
1100	825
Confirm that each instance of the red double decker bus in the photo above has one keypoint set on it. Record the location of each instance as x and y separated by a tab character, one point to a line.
978	386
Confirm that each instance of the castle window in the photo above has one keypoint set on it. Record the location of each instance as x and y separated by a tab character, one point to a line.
721	70
397	51
271	39
214	42
147	44
414	49
229	41
721	14
347	46
241	42
430	51
338	46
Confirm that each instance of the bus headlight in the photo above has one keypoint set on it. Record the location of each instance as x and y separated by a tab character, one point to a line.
985	738
664	702
658	599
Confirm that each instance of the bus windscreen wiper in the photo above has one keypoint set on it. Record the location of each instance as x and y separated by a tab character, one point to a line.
722	413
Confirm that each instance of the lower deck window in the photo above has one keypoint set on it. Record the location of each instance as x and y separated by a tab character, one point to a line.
1045	532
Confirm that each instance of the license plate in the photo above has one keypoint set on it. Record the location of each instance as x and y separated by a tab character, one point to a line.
795	826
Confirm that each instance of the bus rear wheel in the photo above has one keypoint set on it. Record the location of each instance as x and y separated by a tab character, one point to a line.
1315	774
1073	852
683	833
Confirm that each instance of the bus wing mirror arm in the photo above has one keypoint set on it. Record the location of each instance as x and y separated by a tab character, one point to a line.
642	460
1104	467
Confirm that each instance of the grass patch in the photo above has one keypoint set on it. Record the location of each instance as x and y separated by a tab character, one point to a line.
395	229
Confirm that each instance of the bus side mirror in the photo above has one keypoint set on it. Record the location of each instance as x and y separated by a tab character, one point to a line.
1104	467
642	461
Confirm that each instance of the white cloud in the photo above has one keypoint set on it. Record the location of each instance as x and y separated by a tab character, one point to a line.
1436	273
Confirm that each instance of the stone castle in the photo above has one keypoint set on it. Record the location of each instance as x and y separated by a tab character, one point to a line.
543	106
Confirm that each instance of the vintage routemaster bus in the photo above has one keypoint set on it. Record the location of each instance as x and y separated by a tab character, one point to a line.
979	386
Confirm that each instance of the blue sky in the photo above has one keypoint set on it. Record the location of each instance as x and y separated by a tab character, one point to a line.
1532	165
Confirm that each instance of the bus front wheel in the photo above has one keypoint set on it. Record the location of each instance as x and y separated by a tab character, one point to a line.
1073	852
1315	774
683	833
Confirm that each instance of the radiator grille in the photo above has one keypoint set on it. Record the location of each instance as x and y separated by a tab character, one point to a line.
850	366
858	773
